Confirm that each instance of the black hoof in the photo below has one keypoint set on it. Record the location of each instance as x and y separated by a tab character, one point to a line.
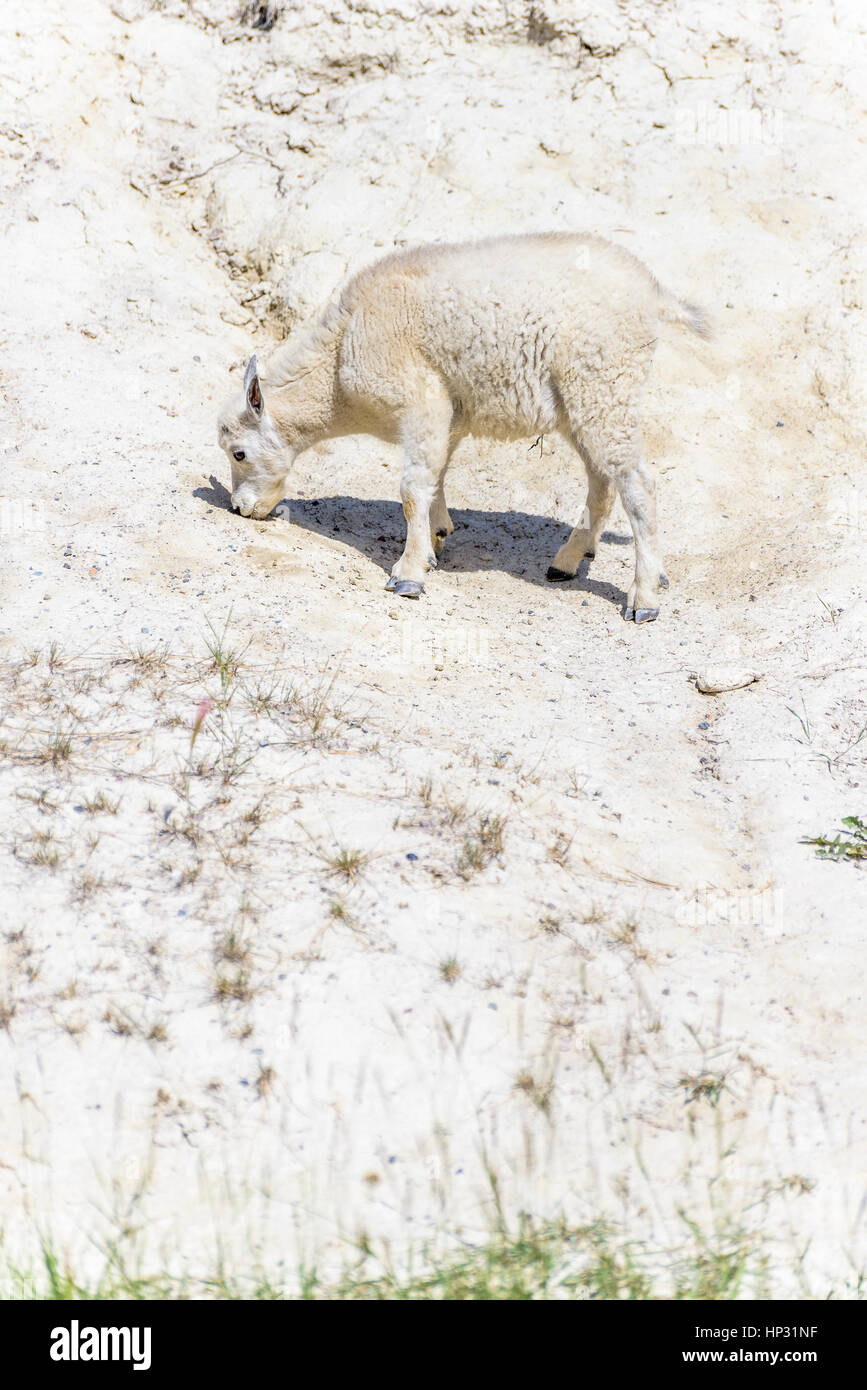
589	554
663	581
555	576
408	588
646	615
442	533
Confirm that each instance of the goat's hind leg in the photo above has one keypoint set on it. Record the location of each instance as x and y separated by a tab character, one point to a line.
618	450
441	524
615	464
637	489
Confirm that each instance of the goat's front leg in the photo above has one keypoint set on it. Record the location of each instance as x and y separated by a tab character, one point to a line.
425	441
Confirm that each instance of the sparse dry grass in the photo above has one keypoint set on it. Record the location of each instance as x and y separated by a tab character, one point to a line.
233	986
626	934
86	886
558	850
118	1023
482	844
706	1086
341	861
234	948
190	801
450	970
40	848
101	804
538	1087
265	1081
226	656
54	748
40	799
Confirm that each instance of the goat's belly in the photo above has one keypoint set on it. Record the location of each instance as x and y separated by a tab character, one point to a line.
512	413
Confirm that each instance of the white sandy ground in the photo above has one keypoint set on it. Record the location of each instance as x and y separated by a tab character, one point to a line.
177	189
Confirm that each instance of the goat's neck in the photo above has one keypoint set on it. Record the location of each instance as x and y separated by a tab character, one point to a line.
305	398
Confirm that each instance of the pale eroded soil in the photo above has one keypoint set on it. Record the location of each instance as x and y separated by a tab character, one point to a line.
178	189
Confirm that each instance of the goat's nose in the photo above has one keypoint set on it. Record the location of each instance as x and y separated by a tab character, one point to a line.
243	502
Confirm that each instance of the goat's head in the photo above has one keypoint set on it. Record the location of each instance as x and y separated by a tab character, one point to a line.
259	456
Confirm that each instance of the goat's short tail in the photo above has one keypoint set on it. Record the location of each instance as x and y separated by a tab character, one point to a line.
687	315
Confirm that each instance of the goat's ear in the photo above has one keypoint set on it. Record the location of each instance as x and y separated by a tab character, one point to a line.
252	388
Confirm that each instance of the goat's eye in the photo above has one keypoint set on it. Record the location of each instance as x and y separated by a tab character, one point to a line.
239	455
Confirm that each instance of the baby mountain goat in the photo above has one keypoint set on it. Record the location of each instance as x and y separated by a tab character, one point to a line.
509	337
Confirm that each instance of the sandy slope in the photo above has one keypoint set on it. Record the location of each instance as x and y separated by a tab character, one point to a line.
178	188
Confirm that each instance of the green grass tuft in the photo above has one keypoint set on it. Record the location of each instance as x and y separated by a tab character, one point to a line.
853	847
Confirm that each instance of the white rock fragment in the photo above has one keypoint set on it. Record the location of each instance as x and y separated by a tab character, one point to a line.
130	10
712	680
